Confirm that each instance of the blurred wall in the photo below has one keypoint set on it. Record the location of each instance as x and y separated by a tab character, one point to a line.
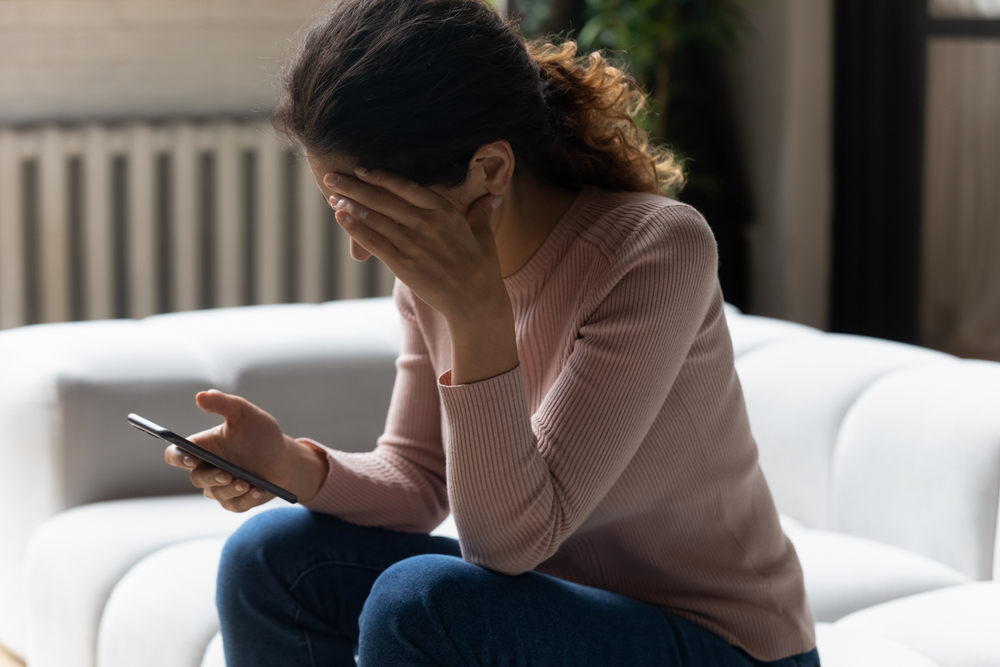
108	59
782	82
95	59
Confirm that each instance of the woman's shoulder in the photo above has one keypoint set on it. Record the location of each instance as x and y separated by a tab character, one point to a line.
624	224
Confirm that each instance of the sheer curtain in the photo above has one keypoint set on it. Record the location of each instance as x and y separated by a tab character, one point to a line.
960	290
964	8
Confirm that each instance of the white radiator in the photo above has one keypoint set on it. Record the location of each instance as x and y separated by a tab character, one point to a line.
126	220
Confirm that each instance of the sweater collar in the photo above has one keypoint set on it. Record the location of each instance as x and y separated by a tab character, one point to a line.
539	263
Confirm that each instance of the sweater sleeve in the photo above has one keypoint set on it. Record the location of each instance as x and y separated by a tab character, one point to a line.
518	484
399	485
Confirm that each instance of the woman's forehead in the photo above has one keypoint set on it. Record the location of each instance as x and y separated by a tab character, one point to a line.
326	164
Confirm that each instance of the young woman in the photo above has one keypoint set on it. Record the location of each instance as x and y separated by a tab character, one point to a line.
565	386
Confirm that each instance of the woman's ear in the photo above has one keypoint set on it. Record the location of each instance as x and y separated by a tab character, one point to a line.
493	166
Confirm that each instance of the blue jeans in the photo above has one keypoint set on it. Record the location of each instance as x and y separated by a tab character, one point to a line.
300	588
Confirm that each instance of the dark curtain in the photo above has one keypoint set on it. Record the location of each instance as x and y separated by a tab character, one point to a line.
701	126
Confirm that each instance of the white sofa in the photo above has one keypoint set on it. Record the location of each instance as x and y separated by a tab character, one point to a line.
883	459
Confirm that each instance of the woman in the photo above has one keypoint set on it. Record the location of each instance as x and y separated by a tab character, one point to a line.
565	386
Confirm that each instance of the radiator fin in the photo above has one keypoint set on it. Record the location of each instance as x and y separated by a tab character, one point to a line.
131	219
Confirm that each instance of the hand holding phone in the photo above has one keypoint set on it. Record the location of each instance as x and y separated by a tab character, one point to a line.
249	438
186	445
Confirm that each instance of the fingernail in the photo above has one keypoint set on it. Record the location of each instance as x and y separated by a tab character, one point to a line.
220	478
339	204
189	462
497	201
331	179
361	171
241	486
257	493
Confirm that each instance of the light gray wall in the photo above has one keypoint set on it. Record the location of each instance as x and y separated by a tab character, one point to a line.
782	88
87	59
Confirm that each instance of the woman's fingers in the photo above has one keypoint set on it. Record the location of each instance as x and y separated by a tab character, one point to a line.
370	241
178	458
414	193
395	233
220	485
234	489
206	476
382	194
247	500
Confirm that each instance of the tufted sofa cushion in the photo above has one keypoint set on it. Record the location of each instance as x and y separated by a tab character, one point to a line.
845	573
798	391
917	464
162	613
839	647
155	583
77	558
957	626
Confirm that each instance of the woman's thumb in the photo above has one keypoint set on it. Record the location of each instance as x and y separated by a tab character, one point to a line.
218	403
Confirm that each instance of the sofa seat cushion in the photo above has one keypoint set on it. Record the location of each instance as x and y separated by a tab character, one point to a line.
144	600
215	655
844	573
837	648
842	647
447	528
162	613
958	626
76	558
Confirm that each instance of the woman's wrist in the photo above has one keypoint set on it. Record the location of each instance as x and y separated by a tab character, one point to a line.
305	469
484	346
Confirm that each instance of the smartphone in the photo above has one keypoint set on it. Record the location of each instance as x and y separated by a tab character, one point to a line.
158	431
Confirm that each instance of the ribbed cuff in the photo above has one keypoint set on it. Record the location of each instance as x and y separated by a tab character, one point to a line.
488	429
499	401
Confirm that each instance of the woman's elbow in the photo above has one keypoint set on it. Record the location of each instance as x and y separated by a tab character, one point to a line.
432	517
512	567
512	560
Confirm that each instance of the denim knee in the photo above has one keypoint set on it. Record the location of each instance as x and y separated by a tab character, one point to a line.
423	590
252	555
428	610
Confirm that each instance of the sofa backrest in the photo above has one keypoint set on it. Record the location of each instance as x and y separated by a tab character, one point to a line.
891	442
917	464
798	392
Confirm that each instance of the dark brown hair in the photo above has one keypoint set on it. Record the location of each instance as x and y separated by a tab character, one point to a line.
416	86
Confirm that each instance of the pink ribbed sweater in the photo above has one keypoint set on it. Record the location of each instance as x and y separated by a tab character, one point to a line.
617	454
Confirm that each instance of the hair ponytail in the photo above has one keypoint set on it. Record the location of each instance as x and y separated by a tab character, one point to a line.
595	105
416	86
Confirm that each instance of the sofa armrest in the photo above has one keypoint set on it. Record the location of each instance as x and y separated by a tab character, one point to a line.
76	559
324	370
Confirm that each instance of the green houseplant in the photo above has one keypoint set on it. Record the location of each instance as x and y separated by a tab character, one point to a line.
675	50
